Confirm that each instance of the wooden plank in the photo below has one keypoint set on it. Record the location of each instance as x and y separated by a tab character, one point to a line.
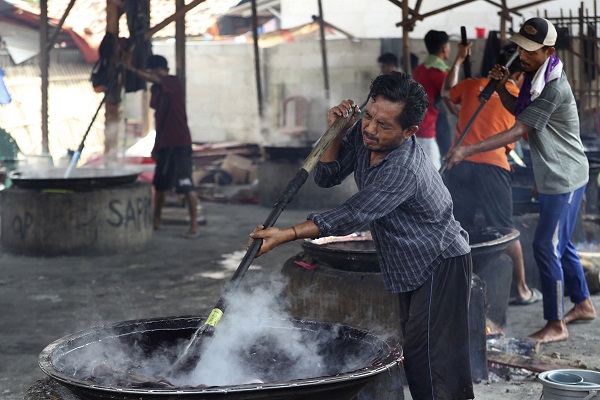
525	362
171	18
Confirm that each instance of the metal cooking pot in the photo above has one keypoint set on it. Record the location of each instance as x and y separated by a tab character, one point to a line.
62	358
357	252
80	178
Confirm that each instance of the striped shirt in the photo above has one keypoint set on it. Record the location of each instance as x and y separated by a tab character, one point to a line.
405	204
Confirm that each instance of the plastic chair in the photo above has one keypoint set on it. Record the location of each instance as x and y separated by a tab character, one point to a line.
295	115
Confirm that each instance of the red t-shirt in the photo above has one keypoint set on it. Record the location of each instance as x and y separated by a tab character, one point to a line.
170	117
432	80
492	119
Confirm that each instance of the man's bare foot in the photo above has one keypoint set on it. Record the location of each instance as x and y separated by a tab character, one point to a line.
583	311
190	234
554	331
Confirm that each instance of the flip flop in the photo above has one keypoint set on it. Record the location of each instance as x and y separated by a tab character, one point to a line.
536	296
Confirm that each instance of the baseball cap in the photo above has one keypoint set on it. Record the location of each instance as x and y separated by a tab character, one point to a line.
535	34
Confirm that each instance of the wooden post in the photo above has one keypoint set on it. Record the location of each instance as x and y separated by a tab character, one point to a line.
581	85
113	98
44	65
405	39
323	50
257	58
180	44
503	17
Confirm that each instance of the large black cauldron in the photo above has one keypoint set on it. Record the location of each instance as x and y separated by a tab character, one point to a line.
357	252
79	178
59	359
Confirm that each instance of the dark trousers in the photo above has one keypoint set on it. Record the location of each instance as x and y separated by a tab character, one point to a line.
435	324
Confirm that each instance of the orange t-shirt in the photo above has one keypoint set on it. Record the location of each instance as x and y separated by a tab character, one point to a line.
492	119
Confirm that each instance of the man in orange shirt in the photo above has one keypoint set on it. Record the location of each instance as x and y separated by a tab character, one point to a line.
484	179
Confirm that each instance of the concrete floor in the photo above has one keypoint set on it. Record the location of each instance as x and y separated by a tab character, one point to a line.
43	299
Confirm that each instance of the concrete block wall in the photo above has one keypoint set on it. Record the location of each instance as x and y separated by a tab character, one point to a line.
221	91
221	84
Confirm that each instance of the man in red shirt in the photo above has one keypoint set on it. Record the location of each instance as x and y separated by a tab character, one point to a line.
173	145
431	74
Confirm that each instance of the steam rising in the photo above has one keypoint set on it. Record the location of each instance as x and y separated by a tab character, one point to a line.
255	342
265	330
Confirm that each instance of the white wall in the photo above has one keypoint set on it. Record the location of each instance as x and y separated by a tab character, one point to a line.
221	86
221	90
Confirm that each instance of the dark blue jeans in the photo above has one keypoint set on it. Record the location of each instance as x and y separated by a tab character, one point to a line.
555	254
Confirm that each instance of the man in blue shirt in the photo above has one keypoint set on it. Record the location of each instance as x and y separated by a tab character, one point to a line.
423	252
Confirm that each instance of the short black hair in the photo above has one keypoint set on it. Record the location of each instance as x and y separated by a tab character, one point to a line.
156	61
399	87
435	40
388	58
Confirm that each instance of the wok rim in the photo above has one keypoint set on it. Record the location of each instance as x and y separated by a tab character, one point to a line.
393	358
508	235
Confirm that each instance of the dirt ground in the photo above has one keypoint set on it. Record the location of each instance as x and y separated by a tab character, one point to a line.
43	299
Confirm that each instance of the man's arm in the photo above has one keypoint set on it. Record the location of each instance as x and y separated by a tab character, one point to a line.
452	77
511	135
145	75
501	73
273	237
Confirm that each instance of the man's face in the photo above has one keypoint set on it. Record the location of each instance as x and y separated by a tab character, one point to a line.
381	131
446	51
533	60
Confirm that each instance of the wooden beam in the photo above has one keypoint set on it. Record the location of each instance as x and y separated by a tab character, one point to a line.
343	32
519	361
44	64
257	58
502	9
533	3
418	6
180	45
401	5
323	51
171	18
56	32
503	17
434	12
113	97
405	40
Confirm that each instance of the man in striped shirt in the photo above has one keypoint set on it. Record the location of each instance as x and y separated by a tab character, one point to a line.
423	252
